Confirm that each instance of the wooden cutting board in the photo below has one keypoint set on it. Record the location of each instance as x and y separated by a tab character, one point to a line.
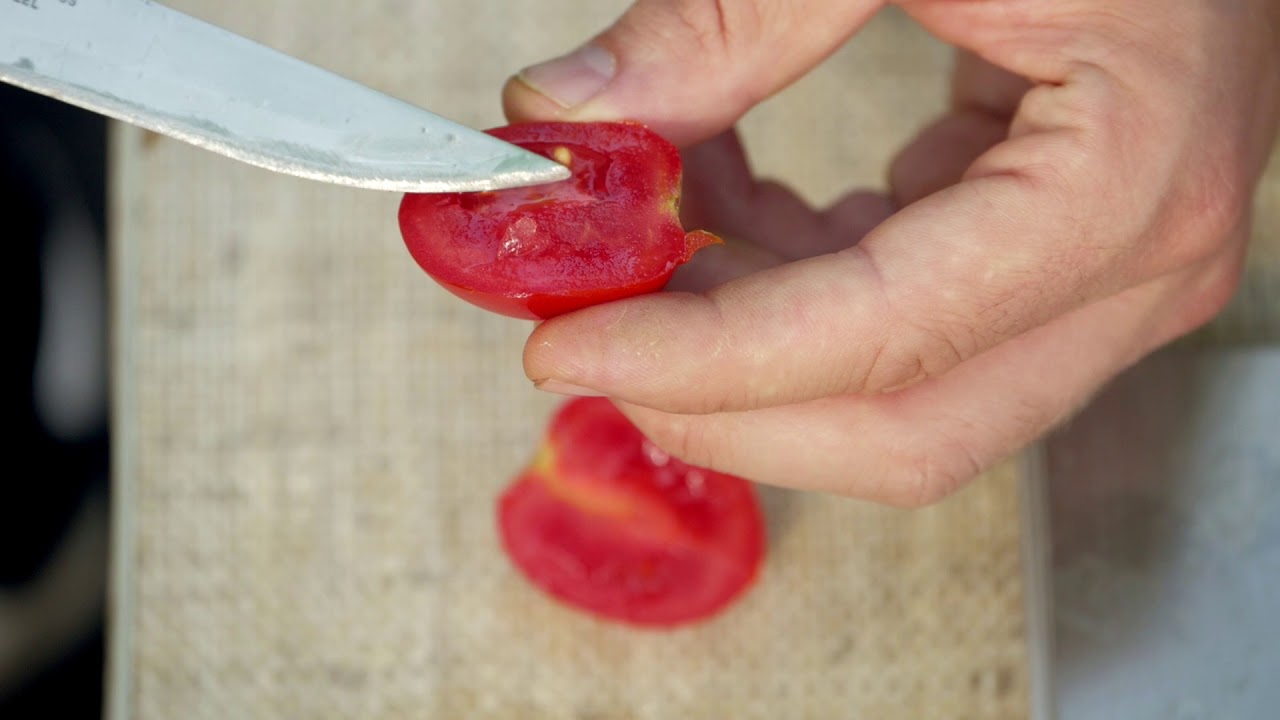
310	435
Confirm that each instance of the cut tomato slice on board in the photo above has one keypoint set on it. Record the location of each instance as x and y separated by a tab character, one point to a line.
610	231
606	522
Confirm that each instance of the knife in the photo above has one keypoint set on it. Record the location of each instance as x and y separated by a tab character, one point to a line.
152	66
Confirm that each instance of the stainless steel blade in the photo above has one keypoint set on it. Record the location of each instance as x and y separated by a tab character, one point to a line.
151	66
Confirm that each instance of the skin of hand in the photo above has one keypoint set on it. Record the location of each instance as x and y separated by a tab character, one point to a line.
1084	201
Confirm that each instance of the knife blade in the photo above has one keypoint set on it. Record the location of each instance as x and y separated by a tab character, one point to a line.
152	66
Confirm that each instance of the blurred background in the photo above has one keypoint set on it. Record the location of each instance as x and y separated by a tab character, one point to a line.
53	505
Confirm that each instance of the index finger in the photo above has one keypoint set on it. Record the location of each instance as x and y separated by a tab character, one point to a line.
932	286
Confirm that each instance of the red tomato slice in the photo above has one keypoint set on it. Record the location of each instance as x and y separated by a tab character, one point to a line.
605	521
610	231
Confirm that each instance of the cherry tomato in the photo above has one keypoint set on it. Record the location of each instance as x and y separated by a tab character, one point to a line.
610	231
606	522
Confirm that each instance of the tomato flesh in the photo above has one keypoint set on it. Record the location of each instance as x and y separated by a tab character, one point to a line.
609	231
606	522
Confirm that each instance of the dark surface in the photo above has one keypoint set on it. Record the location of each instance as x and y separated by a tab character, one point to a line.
52	157
70	688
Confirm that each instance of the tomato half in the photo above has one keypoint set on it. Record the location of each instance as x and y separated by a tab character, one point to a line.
609	231
605	521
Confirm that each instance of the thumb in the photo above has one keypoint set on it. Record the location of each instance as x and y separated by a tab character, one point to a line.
686	68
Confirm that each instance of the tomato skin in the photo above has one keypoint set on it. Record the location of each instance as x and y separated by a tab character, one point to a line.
540	306
605	522
610	231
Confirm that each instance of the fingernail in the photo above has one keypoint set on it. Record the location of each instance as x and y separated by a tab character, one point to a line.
572	79
563	388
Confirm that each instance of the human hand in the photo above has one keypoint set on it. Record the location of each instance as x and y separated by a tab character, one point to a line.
1084	201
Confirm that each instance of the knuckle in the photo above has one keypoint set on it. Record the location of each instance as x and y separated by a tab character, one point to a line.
1213	207
706	20
713	27
1189	200
908	349
927	478
892	368
1209	295
685	438
917	352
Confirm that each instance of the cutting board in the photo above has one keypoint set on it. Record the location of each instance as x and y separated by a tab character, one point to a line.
310	434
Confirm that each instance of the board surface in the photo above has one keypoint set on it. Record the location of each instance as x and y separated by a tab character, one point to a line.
310	435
